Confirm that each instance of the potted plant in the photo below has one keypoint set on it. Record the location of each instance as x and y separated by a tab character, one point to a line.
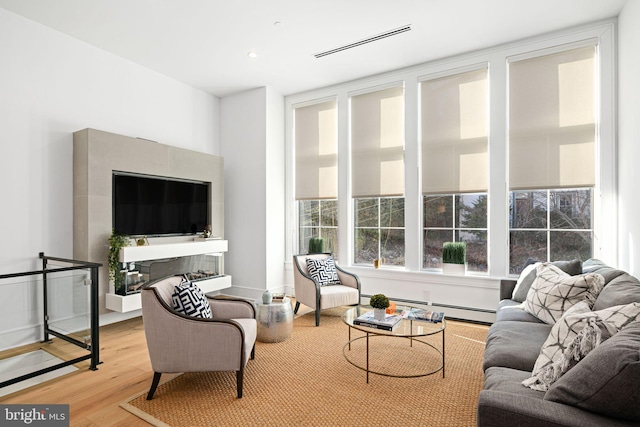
117	242
316	245
379	302
454	257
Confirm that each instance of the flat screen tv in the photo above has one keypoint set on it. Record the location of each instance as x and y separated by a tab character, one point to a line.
146	205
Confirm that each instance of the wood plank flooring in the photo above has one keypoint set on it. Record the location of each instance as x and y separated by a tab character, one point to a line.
93	396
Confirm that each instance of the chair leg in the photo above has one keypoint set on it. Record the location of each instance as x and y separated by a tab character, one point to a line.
317	316
295	310
239	382
154	384
253	352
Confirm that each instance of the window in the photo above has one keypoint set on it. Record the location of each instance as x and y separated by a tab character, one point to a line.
454	122
379	230
318	218
377	171
549	225
316	171
552	152
455	218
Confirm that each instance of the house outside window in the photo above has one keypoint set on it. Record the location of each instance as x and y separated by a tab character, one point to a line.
552	156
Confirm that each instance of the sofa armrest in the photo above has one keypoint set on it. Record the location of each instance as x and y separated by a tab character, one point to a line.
506	288
499	409
225	307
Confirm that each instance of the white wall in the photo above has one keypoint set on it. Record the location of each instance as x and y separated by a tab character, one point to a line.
629	136
52	85
252	144
243	146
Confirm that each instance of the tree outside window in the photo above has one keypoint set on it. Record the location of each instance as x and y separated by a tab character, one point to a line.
318	218
379	230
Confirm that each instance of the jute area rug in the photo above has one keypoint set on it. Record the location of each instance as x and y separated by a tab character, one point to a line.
306	381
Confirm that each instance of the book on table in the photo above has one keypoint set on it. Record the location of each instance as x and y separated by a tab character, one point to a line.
387	324
423	315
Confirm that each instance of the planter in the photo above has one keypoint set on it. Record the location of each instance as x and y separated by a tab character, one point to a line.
457	269
379	313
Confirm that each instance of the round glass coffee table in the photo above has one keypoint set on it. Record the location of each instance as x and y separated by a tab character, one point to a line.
412	330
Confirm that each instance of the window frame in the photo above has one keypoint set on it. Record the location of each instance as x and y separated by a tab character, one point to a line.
604	196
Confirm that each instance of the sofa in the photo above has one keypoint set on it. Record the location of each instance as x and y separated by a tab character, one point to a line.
600	389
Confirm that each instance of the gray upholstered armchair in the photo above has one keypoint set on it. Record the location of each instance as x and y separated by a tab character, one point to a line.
310	293
180	343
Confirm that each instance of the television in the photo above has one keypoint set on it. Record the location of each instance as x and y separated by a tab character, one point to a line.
147	205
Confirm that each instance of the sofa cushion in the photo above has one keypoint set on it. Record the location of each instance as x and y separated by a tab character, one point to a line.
509	381
512	310
528	275
621	290
189	299
594	265
553	292
323	271
513	344
606	381
557	351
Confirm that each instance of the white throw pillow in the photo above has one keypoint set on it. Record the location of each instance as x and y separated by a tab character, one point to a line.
523	275
553	292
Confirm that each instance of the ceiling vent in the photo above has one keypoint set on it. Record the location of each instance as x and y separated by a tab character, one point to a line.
365	41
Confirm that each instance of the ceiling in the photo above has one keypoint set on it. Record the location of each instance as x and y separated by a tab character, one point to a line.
204	43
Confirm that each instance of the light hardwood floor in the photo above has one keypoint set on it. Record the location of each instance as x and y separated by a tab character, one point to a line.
93	396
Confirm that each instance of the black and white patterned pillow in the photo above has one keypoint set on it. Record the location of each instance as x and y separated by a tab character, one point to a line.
323	270
553	292
553	359
189	299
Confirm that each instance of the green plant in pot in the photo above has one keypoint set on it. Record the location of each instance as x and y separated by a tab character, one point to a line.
379	302
316	245
117	242
454	257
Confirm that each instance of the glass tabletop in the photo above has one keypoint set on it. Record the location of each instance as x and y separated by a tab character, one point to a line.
406	328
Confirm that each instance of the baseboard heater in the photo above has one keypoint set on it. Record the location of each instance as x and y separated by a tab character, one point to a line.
455	307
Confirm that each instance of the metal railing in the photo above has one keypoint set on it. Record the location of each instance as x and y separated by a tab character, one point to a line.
49	274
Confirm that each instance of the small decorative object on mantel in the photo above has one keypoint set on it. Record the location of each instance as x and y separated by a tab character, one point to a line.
207	231
454	257
379	302
142	241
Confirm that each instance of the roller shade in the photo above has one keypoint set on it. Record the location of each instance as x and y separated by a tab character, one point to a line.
552	129
454	121
316	145
377	143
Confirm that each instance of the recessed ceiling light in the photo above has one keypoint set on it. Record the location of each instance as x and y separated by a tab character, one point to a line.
277	24
252	55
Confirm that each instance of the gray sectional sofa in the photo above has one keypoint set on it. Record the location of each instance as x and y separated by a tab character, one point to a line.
602	389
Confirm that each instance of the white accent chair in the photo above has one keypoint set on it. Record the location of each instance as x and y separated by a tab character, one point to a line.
180	343
310	293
